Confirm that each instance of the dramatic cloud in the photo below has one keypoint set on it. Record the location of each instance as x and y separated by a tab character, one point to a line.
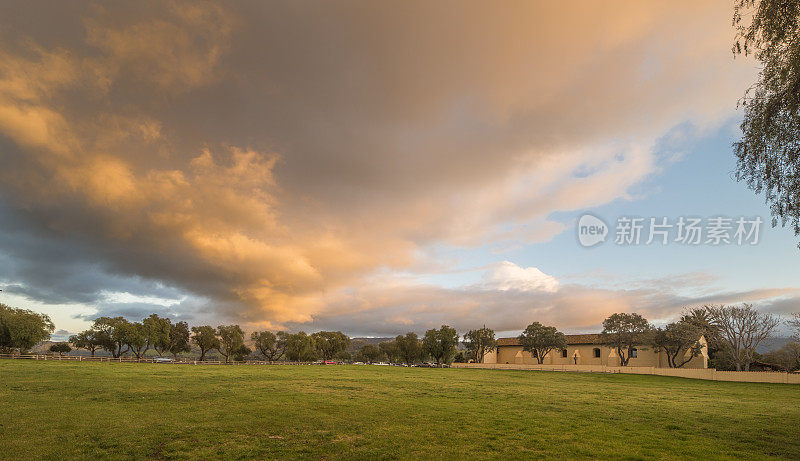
259	159
387	308
506	276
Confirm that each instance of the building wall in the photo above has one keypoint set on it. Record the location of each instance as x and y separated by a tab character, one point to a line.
584	354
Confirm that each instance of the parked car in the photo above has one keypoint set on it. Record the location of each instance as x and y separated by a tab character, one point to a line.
329	362
163	360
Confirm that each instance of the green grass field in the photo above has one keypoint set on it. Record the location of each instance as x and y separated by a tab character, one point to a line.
88	410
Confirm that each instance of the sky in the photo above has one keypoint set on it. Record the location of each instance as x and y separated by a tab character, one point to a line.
374	168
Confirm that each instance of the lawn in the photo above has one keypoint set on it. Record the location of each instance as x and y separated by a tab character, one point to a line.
111	410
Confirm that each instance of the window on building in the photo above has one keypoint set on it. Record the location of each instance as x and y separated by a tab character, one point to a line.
634	353
597	352
563	353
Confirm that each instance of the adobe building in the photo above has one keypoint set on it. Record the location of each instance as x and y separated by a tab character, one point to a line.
588	350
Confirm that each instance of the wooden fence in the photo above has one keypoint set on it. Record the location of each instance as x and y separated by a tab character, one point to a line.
710	374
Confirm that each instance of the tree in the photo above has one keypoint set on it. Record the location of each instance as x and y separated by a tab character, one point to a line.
60	348
112	333
390	350
269	344
479	343
623	332
343	356
179	337
206	339
137	338
231	340
679	341
741	329
369	353
241	352
795	323
441	344
768	154
300	347
409	348
788	357
22	329
539	340
700	318
88	339
330	343
158	331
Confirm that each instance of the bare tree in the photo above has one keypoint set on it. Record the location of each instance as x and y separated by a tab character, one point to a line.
795	323
741	330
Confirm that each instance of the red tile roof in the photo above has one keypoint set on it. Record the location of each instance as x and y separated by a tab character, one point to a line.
571	339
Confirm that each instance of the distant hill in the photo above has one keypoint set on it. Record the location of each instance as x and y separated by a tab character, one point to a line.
772	344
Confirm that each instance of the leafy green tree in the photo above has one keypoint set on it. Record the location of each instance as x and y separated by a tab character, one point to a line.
624	332
700	318
539	340
240	353
137	338
330	343
441	344
158	331
205	337
60	348
369	353
300	347
768	155
231	339
409	348
343	356
112	333
479	343
269	344
390	350
179	337
87	339
22	329
679	341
